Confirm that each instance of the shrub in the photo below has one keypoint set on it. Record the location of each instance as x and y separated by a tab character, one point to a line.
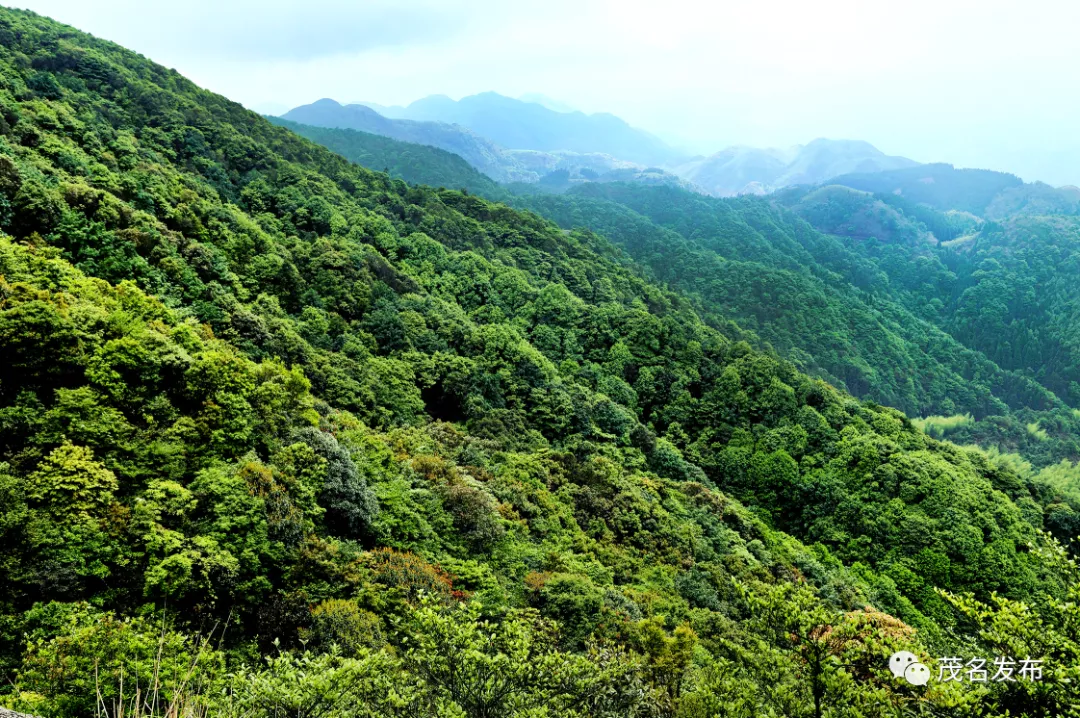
575	602
342	623
120	664
409	573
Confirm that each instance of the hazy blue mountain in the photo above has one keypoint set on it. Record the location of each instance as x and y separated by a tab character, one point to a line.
514	141
749	170
524	125
824	159
394	112
561	168
735	170
478	151
551	104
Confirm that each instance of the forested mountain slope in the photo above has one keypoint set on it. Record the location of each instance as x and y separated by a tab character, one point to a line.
1002	286
430	455
894	233
804	292
939	185
414	163
839	210
1007	290
887	217
984	193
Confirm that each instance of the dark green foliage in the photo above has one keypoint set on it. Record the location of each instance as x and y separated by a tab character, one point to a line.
351	506
1005	290
808	295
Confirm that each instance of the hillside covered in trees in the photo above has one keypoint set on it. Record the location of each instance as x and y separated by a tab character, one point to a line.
281	435
1001	284
414	163
873	301
810	295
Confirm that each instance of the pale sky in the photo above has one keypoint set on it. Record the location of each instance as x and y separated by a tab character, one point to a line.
978	83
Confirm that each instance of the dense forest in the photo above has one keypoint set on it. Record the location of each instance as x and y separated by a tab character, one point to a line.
1004	289
281	435
871	300
809	295
414	163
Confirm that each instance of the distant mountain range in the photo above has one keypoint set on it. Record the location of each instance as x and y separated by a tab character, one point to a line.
529	162
533	125
478	151
524	140
425	153
547	102
749	170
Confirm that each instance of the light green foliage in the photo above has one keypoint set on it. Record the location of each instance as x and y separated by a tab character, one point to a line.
512	668
1035	430
69	484
341	623
98	661
938	426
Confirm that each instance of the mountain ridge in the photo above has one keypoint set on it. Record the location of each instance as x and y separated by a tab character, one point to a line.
518	124
750	170
478	151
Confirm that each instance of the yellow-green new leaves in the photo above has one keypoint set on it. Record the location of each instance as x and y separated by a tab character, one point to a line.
71	486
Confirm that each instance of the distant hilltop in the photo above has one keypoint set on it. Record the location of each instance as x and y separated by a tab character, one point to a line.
750	170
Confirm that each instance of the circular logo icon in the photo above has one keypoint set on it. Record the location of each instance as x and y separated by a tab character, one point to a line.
899	662
917	674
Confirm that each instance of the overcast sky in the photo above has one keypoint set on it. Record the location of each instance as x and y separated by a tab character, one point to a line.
978	83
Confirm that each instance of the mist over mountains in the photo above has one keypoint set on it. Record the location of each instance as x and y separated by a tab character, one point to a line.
749	170
478	151
521	140
517	124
